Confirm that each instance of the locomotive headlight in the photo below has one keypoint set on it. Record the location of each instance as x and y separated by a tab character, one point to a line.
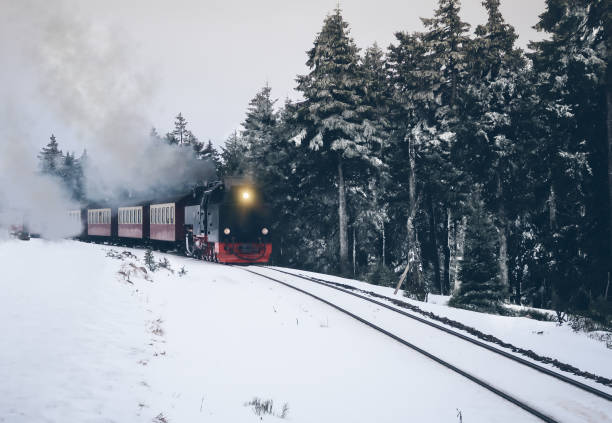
246	196
226	231
265	231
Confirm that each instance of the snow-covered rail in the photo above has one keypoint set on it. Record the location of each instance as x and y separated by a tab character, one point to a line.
516	380
445	329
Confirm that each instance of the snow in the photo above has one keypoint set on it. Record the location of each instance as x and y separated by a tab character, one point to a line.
80	343
580	349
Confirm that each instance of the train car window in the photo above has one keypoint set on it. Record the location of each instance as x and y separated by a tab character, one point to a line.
155	215
164	215
172	215
131	217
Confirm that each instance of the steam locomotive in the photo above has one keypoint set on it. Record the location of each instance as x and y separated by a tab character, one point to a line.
226	222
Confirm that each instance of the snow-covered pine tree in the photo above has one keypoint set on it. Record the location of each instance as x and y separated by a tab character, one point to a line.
481	288
233	155
72	176
371	204
492	147
50	157
333	113
209	152
259	130
570	76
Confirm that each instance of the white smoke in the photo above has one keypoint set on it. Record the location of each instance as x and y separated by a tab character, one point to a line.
84	78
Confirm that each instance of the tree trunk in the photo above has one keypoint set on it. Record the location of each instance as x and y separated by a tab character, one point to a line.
552	209
342	219
609	122
459	251
413	265
384	241
502	232
447	247
503	246
354	252
434	246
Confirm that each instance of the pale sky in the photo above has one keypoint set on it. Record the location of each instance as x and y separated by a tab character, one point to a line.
203	58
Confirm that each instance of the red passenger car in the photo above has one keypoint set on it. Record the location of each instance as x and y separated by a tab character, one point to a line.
167	221
133	221
99	222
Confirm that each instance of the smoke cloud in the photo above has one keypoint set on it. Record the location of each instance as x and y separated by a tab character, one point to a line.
84	79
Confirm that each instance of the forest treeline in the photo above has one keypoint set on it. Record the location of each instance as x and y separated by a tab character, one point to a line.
452	161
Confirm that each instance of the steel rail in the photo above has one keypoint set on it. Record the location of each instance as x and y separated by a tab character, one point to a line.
529	409
506	354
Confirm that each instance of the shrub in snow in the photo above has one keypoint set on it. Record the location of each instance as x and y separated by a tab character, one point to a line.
164	264
149	260
263	407
382	275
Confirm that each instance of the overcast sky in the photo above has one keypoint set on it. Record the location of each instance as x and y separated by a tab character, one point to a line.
203	58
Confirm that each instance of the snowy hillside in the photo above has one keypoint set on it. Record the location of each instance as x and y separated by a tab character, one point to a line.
90	335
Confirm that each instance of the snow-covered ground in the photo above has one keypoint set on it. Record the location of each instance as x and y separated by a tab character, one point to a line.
544	338
82	344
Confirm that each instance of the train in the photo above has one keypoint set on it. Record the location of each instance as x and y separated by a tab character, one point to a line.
224	221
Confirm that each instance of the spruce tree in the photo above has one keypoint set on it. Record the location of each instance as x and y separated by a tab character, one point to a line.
493	147
209	152
481	288
233	155
333	113
259	130
570	69
50	157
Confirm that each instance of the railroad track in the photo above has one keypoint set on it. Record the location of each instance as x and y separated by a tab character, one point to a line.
542	415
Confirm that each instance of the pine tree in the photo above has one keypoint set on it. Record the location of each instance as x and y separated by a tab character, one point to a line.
481	288
233	155
50	157
493	149
259	129
570	79
209	152
333	113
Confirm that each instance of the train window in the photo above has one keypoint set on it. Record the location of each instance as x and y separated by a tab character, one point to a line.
172	215
131	216
155	215
163	215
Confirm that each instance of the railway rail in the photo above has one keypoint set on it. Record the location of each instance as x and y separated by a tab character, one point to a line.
481	344
503	393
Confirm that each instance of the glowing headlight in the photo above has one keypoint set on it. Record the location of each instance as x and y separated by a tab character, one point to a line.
246	195
265	231
226	231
